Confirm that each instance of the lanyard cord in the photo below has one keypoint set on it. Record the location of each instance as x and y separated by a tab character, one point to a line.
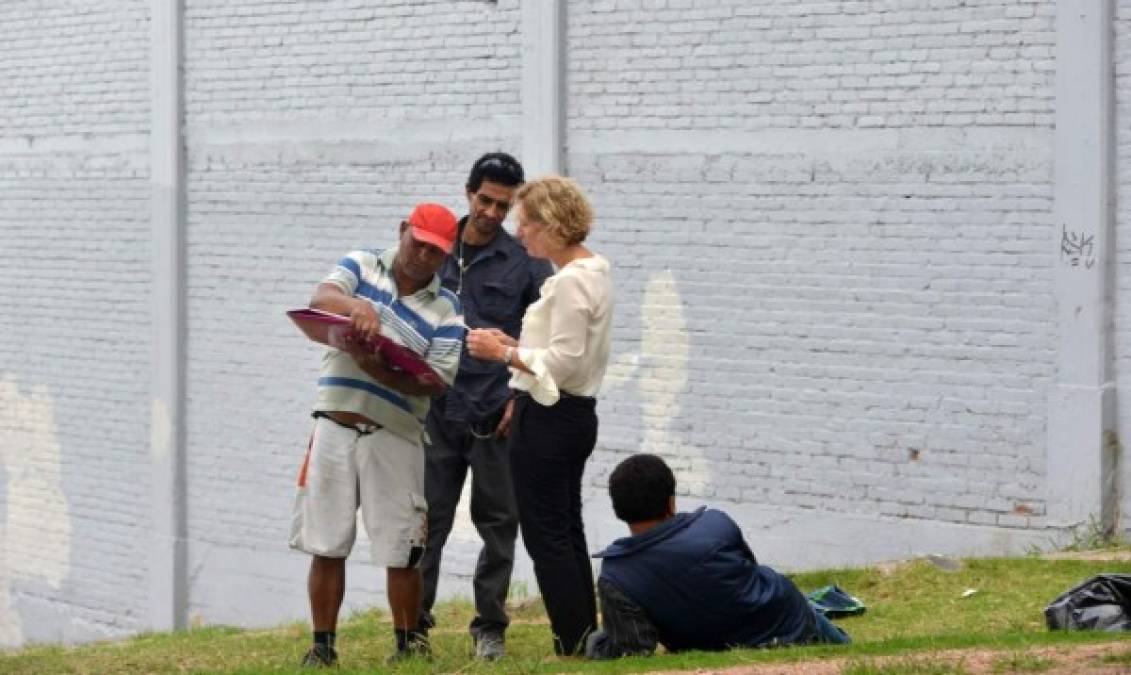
459	260
459	263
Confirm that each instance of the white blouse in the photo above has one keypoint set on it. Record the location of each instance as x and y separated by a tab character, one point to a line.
566	334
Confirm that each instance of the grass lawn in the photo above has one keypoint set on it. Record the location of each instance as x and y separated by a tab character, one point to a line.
914	610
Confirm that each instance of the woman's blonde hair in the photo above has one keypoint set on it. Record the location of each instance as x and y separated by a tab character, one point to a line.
559	204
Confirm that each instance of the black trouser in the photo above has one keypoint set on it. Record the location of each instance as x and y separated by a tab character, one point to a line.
450	450
549	446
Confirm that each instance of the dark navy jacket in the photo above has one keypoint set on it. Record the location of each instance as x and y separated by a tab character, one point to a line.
497	286
698	582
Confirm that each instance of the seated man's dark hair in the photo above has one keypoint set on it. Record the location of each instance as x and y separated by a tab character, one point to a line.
641	487
497	167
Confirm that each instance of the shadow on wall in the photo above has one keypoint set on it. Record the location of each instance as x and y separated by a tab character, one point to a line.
659	373
36	527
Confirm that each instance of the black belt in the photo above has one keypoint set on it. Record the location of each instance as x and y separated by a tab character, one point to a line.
360	429
566	394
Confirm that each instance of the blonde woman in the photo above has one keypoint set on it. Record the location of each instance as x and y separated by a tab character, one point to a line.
557	366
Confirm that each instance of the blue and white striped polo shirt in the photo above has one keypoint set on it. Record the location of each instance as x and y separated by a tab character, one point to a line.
428	322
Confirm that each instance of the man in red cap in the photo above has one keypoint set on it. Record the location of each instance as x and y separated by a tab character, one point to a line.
365	450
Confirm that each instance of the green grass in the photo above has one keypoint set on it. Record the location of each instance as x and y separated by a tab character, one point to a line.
913	610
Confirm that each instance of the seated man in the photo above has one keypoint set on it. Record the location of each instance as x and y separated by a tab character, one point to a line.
688	580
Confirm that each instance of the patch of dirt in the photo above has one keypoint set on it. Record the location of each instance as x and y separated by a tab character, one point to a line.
1100	555
1067	660
886	569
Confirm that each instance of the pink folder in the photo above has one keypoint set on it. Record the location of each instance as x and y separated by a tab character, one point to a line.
329	328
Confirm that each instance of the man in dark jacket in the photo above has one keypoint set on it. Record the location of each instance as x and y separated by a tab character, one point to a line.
495	280
688	580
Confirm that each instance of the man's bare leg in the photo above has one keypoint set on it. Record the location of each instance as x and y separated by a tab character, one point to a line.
326	587
403	584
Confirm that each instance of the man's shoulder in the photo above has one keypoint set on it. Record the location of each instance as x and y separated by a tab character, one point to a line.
509	263
508	243
514	249
716	521
366	259
711	515
448	300
358	269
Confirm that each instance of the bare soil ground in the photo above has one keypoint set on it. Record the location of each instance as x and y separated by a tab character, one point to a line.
1102	659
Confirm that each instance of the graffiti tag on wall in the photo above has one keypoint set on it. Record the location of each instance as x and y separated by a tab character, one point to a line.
1077	248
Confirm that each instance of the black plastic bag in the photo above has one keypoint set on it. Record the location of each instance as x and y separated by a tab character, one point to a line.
1100	603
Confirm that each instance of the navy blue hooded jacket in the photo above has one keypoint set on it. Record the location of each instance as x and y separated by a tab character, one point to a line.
701	586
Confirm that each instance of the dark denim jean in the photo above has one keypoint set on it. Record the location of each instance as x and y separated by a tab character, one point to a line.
549	447
829	632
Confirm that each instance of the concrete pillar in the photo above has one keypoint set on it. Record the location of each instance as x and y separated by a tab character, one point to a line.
167	546
1082	445
543	79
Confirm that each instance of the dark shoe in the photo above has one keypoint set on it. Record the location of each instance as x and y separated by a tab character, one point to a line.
489	647
320	656
418	647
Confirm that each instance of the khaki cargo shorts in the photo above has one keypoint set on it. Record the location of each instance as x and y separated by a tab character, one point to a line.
380	473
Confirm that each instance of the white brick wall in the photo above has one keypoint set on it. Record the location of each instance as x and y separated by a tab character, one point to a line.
74	351
74	68
831	227
1122	245
729	64
856	297
345	59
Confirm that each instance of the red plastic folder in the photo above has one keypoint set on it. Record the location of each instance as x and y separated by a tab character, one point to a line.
329	328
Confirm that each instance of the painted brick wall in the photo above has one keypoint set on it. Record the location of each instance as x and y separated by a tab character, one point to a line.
312	129
847	206
74	68
352	60
1122	245
74	286
729	64
830	224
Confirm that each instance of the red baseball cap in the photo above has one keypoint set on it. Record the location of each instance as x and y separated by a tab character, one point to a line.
434	224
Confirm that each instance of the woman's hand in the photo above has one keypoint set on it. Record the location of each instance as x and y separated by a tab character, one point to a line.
485	343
